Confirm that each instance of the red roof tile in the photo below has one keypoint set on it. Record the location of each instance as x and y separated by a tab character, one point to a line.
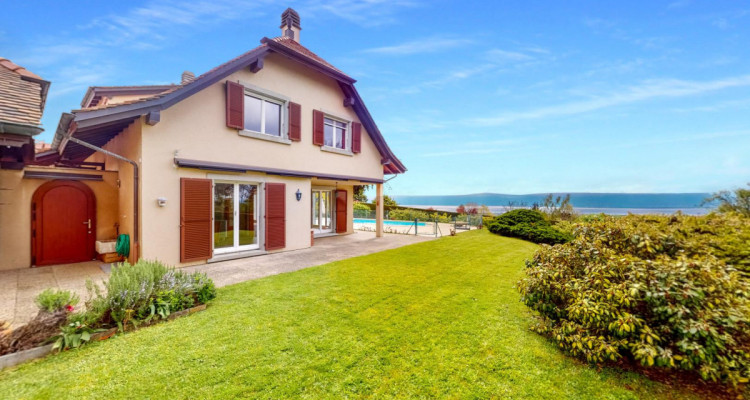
294	45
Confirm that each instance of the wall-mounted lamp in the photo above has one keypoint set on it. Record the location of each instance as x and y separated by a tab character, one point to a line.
161	201
299	195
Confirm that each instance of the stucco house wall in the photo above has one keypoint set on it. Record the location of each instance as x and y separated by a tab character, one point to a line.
196	129
15	212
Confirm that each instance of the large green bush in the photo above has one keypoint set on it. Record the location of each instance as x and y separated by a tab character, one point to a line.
662	291
529	225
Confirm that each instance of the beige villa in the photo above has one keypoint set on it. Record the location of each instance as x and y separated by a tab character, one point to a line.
260	154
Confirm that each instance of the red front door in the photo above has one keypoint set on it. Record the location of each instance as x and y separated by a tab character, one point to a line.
63	223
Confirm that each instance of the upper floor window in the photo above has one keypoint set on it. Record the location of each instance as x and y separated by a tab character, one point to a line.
334	133
264	115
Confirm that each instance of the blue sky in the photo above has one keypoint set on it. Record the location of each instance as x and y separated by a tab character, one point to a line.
507	97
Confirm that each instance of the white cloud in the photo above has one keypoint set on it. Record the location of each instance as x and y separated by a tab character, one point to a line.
648	90
419	46
367	13
504	56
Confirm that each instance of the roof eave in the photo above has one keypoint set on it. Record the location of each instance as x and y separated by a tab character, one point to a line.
283	50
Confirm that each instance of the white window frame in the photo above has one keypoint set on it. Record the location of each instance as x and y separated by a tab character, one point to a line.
347	150
266	95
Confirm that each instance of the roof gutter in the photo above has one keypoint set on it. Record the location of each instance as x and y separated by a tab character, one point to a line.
69	137
16	128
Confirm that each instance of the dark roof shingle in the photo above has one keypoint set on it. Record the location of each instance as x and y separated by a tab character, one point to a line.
22	94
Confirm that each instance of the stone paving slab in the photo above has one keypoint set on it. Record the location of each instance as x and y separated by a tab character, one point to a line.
20	287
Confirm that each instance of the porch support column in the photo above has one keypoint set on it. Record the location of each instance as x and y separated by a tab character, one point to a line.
379	210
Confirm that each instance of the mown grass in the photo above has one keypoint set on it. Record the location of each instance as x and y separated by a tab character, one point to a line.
436	319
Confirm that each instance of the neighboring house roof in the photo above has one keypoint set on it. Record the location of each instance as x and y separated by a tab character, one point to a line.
95	94
97	124
23	95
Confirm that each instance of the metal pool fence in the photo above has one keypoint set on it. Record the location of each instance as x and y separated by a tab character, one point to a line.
364	220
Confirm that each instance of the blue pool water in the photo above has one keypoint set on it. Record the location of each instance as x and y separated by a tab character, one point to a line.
386	222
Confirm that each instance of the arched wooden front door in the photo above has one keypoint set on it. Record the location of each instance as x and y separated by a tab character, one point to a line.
63	223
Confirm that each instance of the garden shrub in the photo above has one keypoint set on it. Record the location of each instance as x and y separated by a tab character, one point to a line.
661	291
51	300
410	214
362	210
529	225
140	292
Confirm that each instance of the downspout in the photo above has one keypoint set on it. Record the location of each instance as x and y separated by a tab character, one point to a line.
135	184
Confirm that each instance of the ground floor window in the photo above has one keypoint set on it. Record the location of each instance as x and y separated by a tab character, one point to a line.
322	211
235	217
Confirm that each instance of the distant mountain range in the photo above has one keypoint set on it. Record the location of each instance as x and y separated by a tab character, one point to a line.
579	200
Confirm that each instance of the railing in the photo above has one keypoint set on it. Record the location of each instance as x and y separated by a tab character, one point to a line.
364	220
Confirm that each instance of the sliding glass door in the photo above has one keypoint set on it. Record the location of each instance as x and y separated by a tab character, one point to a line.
322	211
235	217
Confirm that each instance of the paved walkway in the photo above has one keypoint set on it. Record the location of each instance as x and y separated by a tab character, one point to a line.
20	287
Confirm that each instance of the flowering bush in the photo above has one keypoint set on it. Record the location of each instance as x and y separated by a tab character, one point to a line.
140	292
663	291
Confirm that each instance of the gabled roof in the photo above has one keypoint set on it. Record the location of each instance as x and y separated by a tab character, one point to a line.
23	95
91	119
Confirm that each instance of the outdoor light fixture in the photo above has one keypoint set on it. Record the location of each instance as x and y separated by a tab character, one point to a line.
299	195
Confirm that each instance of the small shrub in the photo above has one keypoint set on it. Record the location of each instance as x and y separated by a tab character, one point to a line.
656	290
529	225
52	300
205	289
148	289
72	335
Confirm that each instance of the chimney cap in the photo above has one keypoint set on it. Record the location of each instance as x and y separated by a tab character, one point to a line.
187	77
290	18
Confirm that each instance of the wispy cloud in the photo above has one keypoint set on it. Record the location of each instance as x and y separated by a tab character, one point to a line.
419	46
489	146
505	56
367	13
492	61
648	90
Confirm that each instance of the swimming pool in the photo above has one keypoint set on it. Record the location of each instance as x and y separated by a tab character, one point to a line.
387	222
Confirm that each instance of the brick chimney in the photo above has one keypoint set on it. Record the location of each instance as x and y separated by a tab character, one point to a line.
187	77
290	24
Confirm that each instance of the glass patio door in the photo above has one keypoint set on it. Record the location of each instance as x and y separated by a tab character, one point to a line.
322	211
235	217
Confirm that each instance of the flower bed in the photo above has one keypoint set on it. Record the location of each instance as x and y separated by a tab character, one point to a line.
134	296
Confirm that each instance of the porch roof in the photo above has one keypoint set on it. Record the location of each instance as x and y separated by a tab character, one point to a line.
219	166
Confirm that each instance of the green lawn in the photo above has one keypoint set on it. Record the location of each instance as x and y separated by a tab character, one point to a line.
436	319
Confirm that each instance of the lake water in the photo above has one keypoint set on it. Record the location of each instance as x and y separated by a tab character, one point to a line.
584	203
587	210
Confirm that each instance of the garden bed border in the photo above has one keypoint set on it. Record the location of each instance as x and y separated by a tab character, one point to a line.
20	357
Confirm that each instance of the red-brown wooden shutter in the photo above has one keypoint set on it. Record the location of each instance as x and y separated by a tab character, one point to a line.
275	216
356	137
195	219
235	105
318	128
295	122
341	223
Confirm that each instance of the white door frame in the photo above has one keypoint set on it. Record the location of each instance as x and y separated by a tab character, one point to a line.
331	196
235	212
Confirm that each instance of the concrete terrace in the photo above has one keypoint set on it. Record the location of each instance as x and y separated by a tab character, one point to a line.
21	286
